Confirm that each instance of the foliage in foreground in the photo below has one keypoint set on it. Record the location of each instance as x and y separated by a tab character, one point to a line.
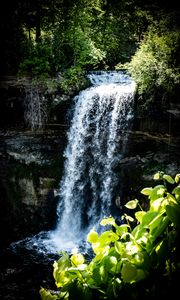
138	259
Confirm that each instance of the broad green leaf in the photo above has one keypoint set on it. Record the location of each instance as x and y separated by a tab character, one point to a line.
63	262
119	247
168	178
100	275
108	237
162	250
161	227
132	248
46	295
148	217
128	272
140	275
156	205
108	221
157	192
110	263
120	230
173	213
77	259
155	222
139	215
59	267
170	199
61	278
176	192
146	191
132	204
100	250
139	231
138	259
92	236
177	178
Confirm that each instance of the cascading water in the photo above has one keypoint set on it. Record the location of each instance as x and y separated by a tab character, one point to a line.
96	142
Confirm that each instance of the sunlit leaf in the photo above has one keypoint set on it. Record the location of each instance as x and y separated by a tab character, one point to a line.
46	295
92	236
157	192
156	205
148	217
119	247
159	229
139	215
110	263
108	221
177	178
120	230
128	218
146	191
132	204
108	237
139	231
168	178
176	192
156	176
77	259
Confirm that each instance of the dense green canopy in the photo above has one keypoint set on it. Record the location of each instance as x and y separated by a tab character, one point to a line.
48	36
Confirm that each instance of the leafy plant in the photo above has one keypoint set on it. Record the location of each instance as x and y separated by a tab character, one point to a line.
127	257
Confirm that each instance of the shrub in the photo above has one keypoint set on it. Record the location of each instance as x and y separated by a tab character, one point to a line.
155	64
128	257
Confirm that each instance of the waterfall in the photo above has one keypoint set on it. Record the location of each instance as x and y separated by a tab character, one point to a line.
96	143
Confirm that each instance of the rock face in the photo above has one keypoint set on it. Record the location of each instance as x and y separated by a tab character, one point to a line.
31	167
32	162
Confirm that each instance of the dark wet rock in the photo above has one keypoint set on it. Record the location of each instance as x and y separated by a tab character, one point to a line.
31	168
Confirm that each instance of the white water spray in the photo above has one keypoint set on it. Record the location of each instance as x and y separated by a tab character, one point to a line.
96	142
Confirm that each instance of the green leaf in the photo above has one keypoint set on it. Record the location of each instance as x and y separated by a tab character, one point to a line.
110	263
92	236
119	247
108	221
156	231
168	178
176	192
77	259
120	230
46	295
132	204
100	275
139	215
173	213
128	218
157	204
148	217
156	176
157	192
177	178
139	231
146	191
128	272
108	237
